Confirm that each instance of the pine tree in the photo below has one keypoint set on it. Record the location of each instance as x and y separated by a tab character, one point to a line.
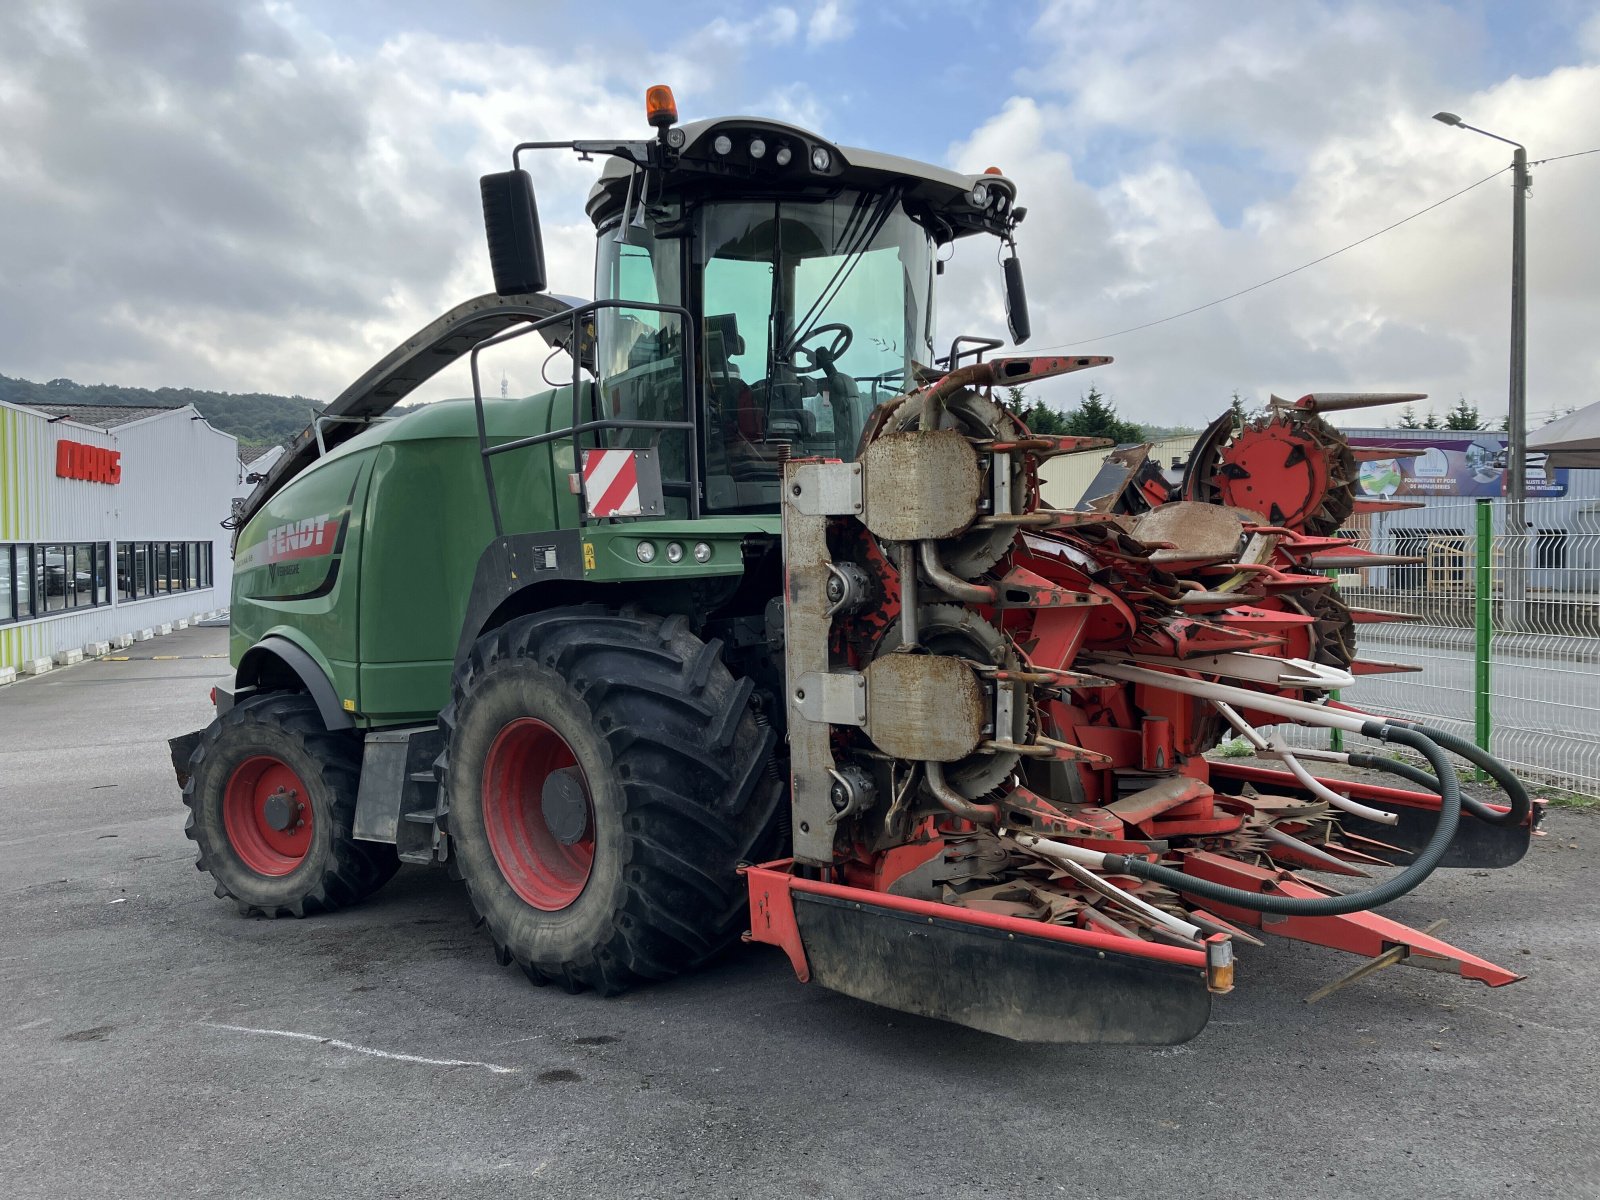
1431	421
1044	420
1408	418
1096	416
1462	416
1240	413
1038	416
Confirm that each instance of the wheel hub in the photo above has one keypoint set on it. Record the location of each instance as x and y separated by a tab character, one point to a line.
266	815
281	810
565	807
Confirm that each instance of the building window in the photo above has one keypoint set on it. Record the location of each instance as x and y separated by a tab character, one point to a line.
8	594
53	577
22	578
146	569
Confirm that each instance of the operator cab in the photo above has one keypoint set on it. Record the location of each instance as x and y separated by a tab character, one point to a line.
808	269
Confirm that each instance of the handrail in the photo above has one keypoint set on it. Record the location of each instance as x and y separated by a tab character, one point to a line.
578	427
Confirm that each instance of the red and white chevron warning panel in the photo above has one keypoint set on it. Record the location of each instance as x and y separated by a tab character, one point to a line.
611	483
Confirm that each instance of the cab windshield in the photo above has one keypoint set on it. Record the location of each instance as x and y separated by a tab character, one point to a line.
814	313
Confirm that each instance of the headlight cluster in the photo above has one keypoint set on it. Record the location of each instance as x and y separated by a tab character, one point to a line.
761	148
990	196
646	552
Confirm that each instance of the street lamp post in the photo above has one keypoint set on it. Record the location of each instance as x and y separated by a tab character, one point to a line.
1517	423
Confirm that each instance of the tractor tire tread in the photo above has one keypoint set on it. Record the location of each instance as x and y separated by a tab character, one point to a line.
670	717
355	869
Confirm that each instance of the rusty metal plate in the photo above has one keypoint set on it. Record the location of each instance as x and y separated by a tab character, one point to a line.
920	485
1197	533
926	707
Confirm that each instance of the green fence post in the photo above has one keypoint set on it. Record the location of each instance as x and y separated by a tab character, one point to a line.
1483	614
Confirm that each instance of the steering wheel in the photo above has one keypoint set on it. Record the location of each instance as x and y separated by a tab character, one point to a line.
820	358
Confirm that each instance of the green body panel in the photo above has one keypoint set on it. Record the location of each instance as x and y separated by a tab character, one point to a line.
399	518
294	571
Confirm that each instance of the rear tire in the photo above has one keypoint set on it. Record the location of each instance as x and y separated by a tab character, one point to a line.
271	796
625	870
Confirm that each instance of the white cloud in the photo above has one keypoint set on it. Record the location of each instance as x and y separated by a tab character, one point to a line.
777	26
831	21
1342	107
223	198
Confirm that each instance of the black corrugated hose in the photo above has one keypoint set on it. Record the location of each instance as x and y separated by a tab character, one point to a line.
1482	759
1443	782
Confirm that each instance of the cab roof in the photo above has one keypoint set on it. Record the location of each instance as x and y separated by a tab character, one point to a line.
944	198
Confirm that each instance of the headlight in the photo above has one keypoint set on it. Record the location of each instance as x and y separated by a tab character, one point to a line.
783	156
820	158
674	552
723	144
702	552
757	148
646	551
979	195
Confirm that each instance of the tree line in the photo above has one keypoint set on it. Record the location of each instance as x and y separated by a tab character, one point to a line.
255	418
1093	416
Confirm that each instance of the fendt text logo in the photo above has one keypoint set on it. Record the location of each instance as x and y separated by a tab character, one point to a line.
309	538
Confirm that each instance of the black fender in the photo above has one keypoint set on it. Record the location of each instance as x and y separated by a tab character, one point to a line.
278	661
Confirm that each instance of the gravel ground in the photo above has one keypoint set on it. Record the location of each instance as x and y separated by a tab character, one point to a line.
156	1044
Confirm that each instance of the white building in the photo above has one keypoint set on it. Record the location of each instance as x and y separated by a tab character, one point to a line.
110	523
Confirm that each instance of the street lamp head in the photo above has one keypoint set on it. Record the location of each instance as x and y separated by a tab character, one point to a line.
1447	118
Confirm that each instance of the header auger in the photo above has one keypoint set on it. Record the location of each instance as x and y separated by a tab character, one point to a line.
765	605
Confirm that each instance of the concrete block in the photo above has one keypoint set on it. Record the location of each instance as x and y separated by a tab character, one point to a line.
197	618
122	641
96	649
65	658
144	635
180	623
164	628
34	666
7	675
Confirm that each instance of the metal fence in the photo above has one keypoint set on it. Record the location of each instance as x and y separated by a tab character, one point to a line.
1508	635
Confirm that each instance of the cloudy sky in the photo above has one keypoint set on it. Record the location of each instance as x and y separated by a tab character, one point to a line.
269	195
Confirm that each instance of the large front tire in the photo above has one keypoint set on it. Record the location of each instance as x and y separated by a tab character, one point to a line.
605	777
271	795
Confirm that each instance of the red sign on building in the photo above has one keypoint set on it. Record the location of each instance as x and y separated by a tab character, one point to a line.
74	460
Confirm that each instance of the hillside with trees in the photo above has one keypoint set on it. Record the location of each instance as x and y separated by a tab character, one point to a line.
255	418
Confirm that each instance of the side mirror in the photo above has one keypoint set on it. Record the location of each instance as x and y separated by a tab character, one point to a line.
511	220
1016	301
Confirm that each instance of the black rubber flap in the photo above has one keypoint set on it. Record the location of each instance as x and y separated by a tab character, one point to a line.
1029	989
1476	843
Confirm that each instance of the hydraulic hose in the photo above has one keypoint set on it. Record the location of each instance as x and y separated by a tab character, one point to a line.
1484	761
1421	867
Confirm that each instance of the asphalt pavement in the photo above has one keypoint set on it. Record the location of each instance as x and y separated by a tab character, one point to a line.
156	1044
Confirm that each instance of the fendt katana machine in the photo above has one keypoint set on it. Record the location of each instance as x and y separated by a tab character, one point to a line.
759	625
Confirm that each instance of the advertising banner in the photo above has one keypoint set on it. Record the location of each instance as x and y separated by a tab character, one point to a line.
1452	464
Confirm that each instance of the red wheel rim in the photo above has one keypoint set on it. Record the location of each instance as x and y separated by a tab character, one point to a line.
266	811
540	868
